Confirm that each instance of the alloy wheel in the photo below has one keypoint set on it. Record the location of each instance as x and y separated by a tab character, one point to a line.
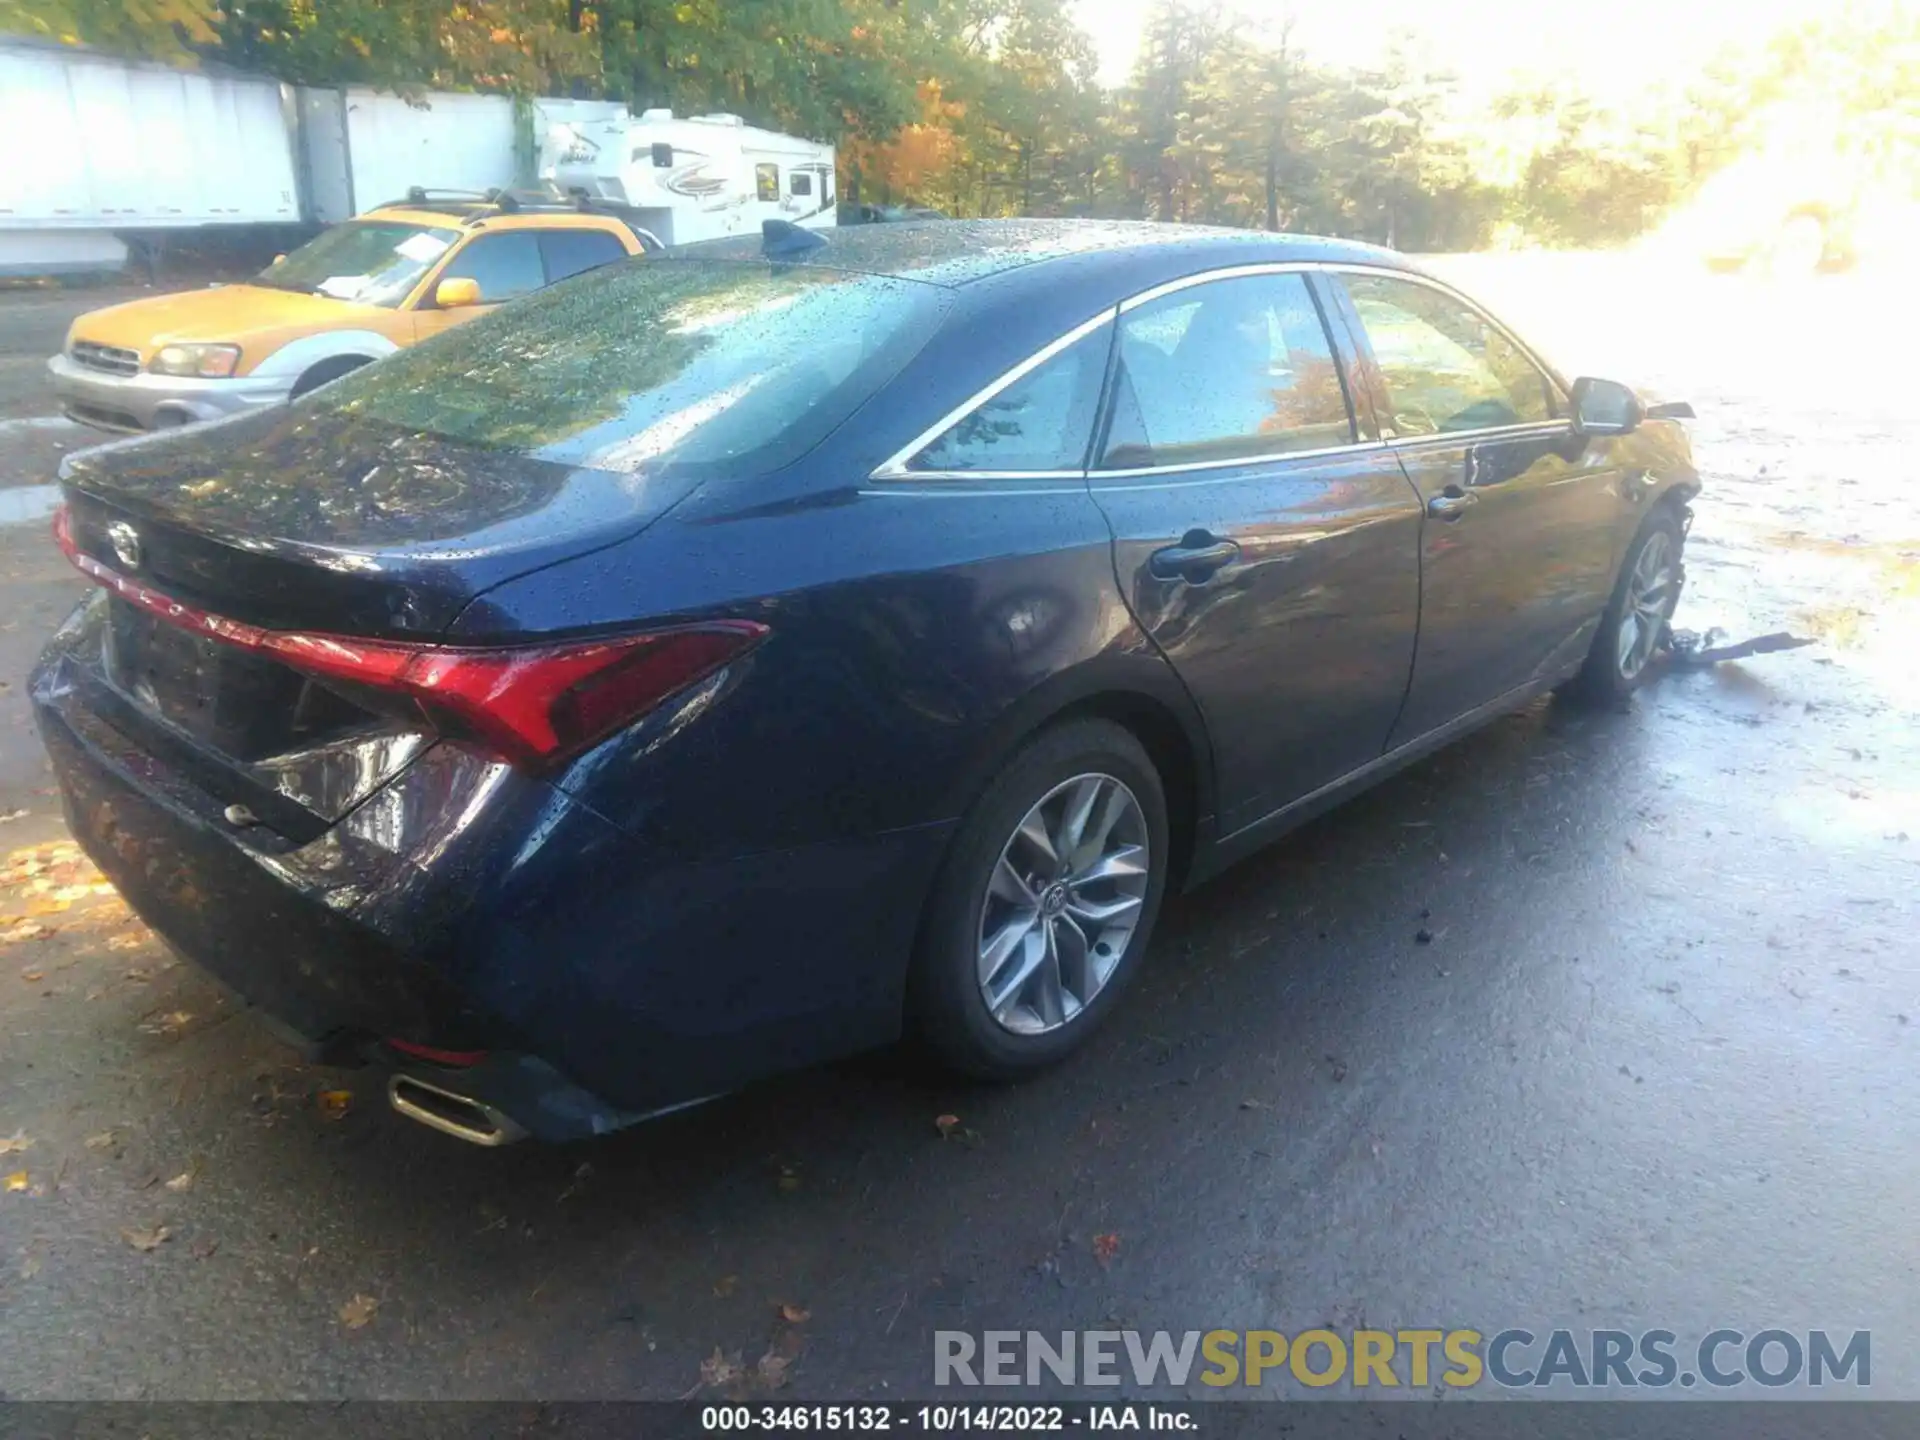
1064	900
1649	602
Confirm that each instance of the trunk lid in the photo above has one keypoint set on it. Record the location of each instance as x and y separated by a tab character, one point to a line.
304	519
307	521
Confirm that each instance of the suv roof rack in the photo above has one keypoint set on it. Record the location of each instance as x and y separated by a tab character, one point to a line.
472	205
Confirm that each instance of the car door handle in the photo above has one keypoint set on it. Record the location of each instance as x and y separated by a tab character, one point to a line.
1451	503
1196	559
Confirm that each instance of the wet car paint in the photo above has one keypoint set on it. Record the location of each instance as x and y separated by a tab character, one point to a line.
731	887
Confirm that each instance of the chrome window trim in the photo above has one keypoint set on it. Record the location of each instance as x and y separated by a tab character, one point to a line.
897	465
1230	272
1504	432
1271	457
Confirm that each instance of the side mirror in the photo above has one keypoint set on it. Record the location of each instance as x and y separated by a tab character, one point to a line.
456	294
1605	407
278	258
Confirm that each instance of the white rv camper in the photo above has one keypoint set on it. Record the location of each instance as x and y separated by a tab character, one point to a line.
696	178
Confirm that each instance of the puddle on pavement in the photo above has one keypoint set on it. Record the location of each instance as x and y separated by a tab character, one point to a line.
26	504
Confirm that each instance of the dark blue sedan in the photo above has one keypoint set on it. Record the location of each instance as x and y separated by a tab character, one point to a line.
740	657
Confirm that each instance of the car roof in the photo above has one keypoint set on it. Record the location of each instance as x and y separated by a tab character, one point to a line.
445	214
962	252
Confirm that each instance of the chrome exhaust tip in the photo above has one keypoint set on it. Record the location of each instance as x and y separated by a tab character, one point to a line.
451	1113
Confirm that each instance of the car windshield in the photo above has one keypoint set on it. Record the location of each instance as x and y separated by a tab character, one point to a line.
373	262
709	367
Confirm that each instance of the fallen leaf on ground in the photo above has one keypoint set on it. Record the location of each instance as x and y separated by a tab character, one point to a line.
15	1144
132	940
206	1250
29	1267
33	977
146	1241
16	1182
105	1140
726	1285
171	1024
795	1314
31	930
717	1369
183	1181
789	1178
1105	1247
945	1124
358	1312
13	815
772	1370
334	1104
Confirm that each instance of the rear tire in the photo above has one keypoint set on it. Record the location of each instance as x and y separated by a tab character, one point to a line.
325	372
1045	905
1636	616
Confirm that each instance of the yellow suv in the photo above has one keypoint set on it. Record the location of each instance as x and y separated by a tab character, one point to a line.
387	278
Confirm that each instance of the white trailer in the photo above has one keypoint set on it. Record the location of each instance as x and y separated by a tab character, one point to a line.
362	148
695	178
97	147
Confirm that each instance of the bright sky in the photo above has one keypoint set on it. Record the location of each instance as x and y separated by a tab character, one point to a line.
1615	46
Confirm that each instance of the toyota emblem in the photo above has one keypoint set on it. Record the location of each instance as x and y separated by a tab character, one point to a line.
126	543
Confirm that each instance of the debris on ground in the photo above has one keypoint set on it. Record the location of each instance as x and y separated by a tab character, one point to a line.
1694	650
1105	1247
335	1104
146	1240
15	1143
358	1312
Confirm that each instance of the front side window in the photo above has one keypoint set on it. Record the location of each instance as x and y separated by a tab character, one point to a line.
1445	367
766	182
799	184
371	262
1040	422
504	266
707	368
1233	369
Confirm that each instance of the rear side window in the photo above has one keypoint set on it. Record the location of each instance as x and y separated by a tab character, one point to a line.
706	367
1233	369
1042	421
1445	366
568	252
505	266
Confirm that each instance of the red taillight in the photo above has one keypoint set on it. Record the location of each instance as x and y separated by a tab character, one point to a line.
461	1059
535	705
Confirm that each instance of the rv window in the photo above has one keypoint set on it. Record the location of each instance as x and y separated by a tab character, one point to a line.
766	182
662	156
712	369
798	184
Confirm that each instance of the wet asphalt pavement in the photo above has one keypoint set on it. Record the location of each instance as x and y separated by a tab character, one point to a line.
1654	1065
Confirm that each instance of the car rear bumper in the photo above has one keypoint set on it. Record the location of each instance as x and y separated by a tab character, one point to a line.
465	906
133	403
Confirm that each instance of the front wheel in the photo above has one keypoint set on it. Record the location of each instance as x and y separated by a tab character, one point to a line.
1636	616
1045	905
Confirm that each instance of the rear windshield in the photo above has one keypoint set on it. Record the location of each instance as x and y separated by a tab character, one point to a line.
708	366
